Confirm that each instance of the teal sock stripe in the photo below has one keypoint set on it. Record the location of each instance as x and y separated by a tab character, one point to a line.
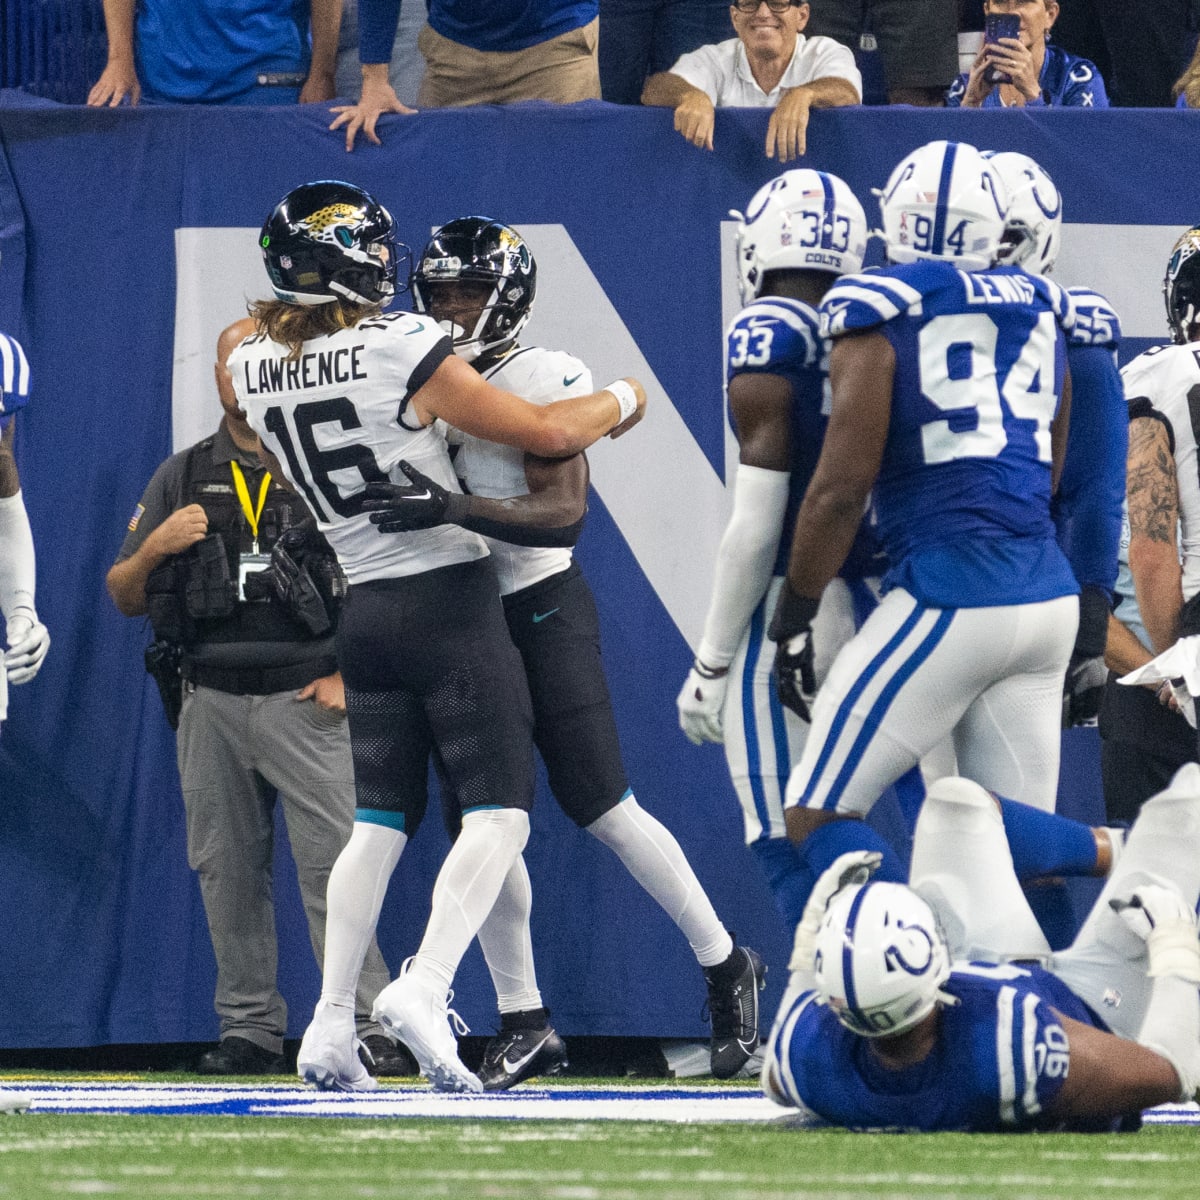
380	816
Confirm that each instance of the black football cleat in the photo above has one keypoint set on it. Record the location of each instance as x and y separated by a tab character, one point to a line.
733	1007
515	1055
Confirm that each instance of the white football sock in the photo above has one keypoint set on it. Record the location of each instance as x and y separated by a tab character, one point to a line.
353	898
505	941
654	858
467	887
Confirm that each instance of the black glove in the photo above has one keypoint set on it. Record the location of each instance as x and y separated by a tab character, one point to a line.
794	669
1083	688
403	507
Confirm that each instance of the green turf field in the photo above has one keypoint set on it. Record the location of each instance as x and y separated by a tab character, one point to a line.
57	1155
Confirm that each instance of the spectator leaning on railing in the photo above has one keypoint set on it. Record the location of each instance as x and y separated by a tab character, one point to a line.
770	64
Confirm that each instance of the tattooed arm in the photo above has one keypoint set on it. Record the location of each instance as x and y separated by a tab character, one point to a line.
1153	497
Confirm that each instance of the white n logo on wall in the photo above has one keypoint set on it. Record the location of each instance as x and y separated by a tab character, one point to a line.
669	503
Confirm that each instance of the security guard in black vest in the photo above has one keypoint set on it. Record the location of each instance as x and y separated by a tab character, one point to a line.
242	593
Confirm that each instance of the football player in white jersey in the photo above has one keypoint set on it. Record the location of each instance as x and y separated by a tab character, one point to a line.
946	374
339	393
938	1006
477	278
1162	387
26	638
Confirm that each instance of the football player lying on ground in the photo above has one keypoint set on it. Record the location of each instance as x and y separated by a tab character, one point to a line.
937	1006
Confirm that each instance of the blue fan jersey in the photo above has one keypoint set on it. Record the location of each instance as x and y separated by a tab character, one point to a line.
778	336
1067	80
962	501
14	378
1000	1058
1091	493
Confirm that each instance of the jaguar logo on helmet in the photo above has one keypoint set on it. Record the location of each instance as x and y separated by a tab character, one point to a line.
331	241
1181	286
477	250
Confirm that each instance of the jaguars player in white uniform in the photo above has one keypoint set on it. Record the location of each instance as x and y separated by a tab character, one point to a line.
477	278
338	393
1144	741
946	374
26	638
1162	387
937	1007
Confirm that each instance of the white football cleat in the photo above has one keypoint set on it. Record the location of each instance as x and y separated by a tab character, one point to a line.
418	1015
328	1055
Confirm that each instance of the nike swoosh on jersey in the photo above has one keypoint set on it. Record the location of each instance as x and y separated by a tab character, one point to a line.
513	1066
568	382
410	332
539	617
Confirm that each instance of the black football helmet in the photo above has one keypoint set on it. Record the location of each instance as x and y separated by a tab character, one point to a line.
328	241
1181	287
479	250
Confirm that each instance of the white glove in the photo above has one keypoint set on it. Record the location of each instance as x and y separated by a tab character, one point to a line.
1160	915
700	703
853	867
28	641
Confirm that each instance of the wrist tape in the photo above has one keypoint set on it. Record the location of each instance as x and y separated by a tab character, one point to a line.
626	397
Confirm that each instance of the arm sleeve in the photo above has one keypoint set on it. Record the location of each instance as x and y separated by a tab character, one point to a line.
17	564
377	21
835	61
1087	509
744	560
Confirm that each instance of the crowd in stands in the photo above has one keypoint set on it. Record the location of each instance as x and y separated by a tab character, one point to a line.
1080	52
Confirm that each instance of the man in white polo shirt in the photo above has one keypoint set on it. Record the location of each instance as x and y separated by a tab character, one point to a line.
770	64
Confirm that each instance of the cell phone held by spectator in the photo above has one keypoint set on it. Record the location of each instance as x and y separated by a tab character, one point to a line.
997	26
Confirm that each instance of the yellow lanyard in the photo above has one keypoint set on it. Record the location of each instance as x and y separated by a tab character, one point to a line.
252	513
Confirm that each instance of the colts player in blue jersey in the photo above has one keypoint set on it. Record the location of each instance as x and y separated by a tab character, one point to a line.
938	1006
1091	492
800	232
26	637
946	374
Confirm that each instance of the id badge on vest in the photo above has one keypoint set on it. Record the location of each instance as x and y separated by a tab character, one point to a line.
253	561
247	565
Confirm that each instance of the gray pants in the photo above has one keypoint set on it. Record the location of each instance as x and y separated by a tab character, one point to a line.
235	753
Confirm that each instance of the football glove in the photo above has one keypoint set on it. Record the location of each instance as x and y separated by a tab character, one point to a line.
421	503
1159	914
28	642
853	867
700	703
795	669
1084	690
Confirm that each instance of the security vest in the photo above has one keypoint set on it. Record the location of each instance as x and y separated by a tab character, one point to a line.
217	627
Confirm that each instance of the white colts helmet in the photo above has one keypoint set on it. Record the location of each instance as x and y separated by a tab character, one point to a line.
1034	232
804	220
880	959
944	202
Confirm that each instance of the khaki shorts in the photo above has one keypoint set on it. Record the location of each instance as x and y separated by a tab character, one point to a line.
563	70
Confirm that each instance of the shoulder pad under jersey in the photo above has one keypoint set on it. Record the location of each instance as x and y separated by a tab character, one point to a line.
1096	321
774	334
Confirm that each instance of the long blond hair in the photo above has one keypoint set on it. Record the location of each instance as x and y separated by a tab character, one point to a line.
1188	84
292	325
